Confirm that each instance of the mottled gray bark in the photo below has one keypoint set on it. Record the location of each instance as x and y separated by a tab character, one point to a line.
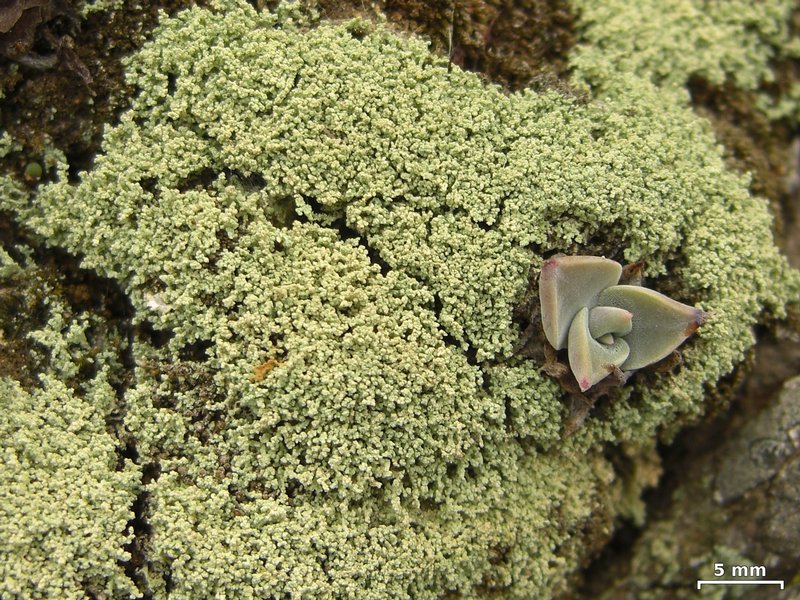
734	505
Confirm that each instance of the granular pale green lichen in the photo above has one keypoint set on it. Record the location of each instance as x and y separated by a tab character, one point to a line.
669	41
65	495
335	231
64	507
89	7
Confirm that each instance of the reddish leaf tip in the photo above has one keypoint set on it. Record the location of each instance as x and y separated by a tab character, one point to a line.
700	317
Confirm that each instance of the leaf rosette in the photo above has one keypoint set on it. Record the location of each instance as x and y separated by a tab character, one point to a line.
606	326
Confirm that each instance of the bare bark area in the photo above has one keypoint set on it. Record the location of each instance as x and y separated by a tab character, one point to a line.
735	506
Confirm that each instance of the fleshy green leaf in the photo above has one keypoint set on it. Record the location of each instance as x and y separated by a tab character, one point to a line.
567	284
608	319
660	324
590	360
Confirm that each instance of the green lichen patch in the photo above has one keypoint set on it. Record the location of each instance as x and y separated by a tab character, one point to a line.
65	490
753	143
669	42
55	107
514	44
208	541
65	493
34	282
64	504
331	230
738	61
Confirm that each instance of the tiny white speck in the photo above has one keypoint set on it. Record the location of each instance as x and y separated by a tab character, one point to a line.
156	304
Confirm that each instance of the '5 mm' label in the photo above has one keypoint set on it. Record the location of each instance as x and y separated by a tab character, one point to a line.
741	570
754	571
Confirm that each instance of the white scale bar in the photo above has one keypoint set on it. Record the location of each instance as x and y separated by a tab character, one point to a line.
703	582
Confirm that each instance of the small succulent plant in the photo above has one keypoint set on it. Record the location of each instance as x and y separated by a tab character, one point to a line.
606	327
